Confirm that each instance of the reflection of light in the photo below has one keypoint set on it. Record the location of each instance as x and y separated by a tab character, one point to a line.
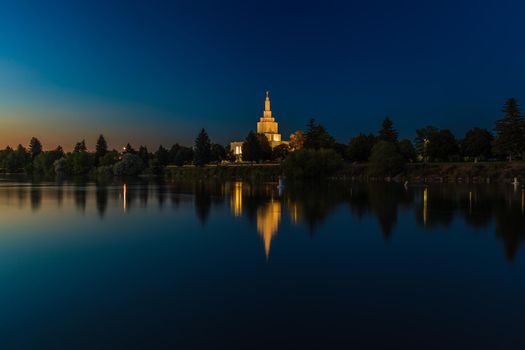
294	213
522	201
268	218
470	202
425	207
236	200
124	195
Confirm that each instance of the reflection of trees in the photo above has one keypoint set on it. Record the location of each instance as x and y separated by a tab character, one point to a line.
80	198
312	203
476	204
439	208
202	203
35	197
102	199
382	200
144	194
510	221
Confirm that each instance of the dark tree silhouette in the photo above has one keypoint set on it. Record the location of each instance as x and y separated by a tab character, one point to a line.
144	154
80	147
202	154
510	131
218	152
101	148
359	147
316	136
129	149
163	156
387	132
35	147
477	143
407	150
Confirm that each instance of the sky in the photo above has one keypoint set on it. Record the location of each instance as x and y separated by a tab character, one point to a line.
156	72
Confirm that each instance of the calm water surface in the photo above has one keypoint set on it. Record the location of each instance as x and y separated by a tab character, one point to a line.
234	265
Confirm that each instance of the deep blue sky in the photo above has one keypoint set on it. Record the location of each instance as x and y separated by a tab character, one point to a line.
154	71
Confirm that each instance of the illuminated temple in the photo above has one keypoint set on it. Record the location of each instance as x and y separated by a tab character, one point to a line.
266	126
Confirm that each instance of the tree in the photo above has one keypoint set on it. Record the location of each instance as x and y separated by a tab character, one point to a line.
296	140
109	159
251	148
144	154
80	147
422	139
359	147
173	152
130	165
202	154
316	136
163	156
35	147
443	146
477	143
407	150
129	149
510	131
101	148
265	147
387	132
280	152
184	156
312	164
81	162
218	152
385	160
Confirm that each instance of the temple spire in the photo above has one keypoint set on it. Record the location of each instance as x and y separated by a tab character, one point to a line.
267	110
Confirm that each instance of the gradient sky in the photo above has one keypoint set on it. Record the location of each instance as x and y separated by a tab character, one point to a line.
156	72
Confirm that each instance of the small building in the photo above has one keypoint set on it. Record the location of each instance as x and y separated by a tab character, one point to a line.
266	126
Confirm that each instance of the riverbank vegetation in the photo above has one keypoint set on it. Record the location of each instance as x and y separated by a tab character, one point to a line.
311	154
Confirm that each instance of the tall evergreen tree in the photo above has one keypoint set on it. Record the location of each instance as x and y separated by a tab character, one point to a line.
35	147
477	143
251	148
316	136
387	132
101	148
129	149
202	154
163	156
80	147
144	154
510	131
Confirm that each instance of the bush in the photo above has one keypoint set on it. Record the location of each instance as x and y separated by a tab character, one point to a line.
385	160
130	165
60	167
312	164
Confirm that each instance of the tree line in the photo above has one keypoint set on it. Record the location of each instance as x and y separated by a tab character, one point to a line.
312	153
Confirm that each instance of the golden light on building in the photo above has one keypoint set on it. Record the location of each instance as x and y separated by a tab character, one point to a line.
266	126
236	199
268	219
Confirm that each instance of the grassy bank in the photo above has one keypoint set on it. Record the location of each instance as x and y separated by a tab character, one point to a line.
249	172
497	172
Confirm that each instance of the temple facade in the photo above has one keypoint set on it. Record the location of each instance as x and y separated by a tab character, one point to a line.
266	126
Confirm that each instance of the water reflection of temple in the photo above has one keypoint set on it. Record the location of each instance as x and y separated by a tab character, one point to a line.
267	211
268	218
